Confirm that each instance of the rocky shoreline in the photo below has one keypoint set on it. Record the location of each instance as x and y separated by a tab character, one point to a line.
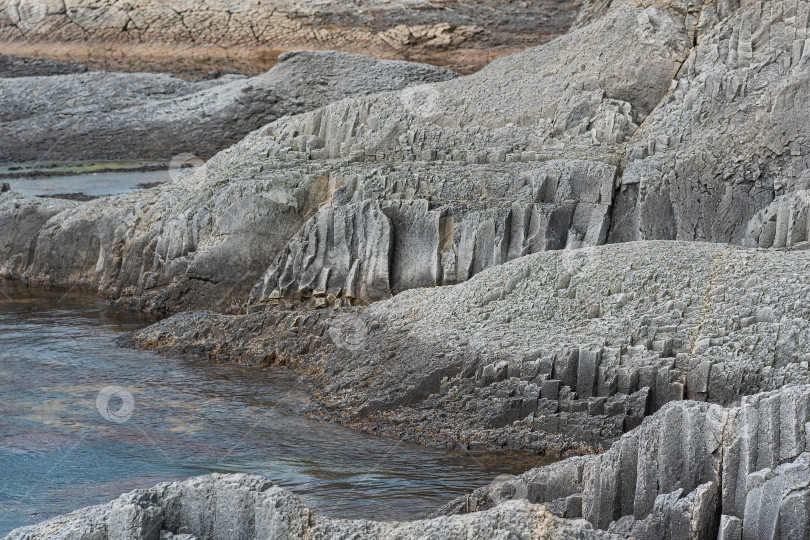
191	40
564	253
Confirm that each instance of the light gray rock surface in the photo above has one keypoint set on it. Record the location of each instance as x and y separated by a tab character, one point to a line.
554	351
781	224
692	470
242	507
517	158
101	115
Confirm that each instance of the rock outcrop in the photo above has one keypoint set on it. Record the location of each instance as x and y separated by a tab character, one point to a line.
177	36
731	134
115	116
782	224
683	361
693	470
482	137
241	507
553	351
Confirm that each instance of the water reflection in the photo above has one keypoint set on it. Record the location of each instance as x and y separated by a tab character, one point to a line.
58	453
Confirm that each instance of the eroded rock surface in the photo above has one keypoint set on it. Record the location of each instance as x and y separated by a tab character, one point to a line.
191	38
553	351
457	176
242	507
693	470
113	116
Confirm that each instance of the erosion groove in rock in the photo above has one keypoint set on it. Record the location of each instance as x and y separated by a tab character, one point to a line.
242	507
111	116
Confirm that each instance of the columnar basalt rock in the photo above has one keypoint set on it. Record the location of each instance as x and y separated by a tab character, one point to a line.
553	351
782	224
731	134
534	106
692	470
393	228
722	473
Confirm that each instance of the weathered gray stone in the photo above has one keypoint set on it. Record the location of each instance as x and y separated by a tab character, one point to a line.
658	315
731	134
111	116
241	507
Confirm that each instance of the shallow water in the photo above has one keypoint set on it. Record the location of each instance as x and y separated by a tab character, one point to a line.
58	453
95	184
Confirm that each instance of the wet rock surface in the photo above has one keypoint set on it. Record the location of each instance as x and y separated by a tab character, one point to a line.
20	66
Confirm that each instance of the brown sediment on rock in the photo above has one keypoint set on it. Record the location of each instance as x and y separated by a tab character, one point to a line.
181	38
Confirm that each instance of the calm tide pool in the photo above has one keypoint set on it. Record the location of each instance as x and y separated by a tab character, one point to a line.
94	184
58	453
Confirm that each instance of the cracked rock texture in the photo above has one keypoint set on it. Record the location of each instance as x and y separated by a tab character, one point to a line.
557	351
114	116
692	470
242	507
192	38
452	178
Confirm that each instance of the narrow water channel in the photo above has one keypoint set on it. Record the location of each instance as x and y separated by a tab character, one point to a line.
186	418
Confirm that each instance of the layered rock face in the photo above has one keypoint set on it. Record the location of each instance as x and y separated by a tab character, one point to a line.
177	36
113	116
693	470
241	507
554	351
518	158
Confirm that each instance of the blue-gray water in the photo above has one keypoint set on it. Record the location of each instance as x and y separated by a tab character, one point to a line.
57	452
95	184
